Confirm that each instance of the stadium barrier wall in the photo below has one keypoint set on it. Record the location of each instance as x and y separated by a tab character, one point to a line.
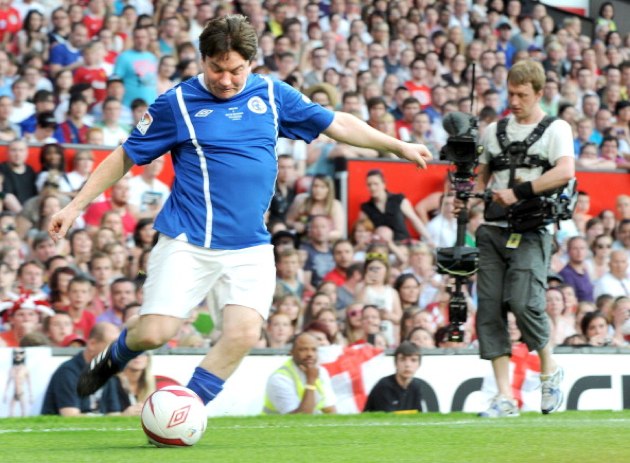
401	177
99	153
452	382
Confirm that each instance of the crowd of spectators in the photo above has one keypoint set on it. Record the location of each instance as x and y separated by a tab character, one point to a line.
84	72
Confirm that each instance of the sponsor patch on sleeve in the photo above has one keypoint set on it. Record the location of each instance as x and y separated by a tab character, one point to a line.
145	123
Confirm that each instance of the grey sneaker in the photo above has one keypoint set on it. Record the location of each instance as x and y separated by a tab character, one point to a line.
500	407
552	396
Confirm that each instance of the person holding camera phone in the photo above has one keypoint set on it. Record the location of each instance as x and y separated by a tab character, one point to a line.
514	250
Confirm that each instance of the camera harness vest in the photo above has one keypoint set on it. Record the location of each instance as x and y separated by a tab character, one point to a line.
514	155
530	214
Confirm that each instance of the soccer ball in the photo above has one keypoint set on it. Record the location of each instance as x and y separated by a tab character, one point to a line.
174	416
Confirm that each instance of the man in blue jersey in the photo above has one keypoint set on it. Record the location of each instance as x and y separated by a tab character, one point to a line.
221	129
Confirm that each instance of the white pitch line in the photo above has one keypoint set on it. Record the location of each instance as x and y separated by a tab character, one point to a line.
480	422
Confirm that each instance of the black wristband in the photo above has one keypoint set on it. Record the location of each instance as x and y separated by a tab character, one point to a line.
524	190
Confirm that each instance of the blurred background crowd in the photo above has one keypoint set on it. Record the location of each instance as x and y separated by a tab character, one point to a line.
77	76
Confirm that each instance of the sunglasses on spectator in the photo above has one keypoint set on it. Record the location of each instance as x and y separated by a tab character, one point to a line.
354	313
604	246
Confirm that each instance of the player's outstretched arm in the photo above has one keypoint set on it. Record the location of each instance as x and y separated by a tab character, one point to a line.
105	175
349	129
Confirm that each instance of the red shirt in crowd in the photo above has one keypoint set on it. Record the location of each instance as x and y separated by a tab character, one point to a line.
9	339
403	130
96	77
84	325
94	213
10	21
337	276
93	24
421	92
111	56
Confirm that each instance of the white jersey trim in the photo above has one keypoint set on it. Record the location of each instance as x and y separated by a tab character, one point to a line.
274	111
202	165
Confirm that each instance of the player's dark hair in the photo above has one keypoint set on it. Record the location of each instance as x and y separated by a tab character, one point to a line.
229	33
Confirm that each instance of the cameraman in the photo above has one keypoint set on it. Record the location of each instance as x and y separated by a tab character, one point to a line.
513	266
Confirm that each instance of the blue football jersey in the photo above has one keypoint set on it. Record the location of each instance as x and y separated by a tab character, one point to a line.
224	156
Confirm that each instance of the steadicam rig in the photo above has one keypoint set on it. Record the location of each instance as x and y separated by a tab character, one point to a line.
460	261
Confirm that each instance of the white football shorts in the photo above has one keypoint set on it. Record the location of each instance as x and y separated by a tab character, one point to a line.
181	275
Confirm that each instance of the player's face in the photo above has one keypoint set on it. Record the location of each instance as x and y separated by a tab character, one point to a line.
225	75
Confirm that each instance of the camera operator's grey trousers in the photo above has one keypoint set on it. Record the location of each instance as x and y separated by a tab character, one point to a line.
514	280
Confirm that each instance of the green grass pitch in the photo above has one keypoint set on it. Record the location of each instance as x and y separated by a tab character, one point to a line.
583	437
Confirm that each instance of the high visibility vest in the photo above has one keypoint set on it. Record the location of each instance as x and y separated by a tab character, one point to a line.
290	370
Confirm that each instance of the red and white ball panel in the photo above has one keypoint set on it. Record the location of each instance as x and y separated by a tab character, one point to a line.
174	416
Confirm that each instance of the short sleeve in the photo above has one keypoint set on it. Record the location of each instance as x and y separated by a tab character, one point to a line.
282	393
300	118
110	402
155	134
64	386
561	141
486	138
56	55
119	66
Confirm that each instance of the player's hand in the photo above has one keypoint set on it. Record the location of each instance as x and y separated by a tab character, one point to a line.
61	222
505	197
416	153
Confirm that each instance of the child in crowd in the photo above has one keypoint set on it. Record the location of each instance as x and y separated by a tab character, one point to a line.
287	281
279	330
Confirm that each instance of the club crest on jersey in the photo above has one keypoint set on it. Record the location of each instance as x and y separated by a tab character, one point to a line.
257	105
145	123
204	112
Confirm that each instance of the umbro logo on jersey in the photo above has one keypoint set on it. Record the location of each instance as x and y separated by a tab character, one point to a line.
204	112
